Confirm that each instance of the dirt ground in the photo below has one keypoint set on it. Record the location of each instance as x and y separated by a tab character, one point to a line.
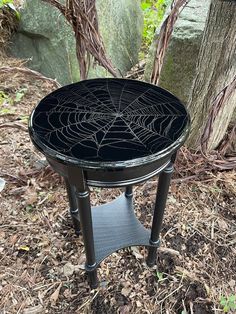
41	268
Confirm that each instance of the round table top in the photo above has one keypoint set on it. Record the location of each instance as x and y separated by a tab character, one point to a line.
109	121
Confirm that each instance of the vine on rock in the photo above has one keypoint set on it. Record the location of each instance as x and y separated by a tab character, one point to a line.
82	16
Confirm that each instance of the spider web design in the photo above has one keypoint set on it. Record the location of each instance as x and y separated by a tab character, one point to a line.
109	120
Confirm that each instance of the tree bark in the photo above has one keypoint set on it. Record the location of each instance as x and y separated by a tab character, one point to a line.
216	69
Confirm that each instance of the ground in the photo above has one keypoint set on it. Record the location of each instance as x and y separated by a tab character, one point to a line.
41	269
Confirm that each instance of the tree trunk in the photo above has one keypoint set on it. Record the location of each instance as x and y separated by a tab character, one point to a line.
216	69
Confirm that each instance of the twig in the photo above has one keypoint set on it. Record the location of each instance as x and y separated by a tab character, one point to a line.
82	16
26	71
169	251
14	177
88	301
212	241
14	125
170	294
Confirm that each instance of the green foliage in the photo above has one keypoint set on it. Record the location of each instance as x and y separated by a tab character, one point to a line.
24	119
159	276
5	3
7	101
9	4
229	303
20	94
5	104
3	97
153	11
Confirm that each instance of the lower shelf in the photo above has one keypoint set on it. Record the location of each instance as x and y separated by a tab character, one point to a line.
115	227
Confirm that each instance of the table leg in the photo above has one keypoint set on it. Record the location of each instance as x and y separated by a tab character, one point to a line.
83	200
74	211
161	197
129	191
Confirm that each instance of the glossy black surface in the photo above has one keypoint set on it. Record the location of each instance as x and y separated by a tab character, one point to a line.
113	121
115	227
110	133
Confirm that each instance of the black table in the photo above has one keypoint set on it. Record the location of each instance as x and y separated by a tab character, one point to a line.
110	133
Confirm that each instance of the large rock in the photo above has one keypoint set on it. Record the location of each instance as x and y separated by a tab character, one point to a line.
179	66
46	38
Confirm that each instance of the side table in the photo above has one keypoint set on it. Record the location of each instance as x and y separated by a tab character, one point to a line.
111	133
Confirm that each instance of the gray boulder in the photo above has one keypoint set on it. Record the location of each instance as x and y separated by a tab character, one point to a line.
48	40
179	66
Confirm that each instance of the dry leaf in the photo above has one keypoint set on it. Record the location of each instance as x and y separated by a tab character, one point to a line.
2	184
67	293
232	283
169	251
222	224
187	273
136	252
172	199
77	268
138	303
30	196
68	269
126	291
34	310
124	309
55	295
24	248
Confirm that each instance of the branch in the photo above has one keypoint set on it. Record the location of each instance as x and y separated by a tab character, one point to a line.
14	125
26	71
164	38
82	16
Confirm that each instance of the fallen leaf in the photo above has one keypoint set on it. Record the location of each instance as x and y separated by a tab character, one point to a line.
68	269
24	248
77	268
2	184
34	310
67	293
172	199
55	295
30	196
169	251
40	164
124	309
138	303
222	224
136	252
232	283
126	291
